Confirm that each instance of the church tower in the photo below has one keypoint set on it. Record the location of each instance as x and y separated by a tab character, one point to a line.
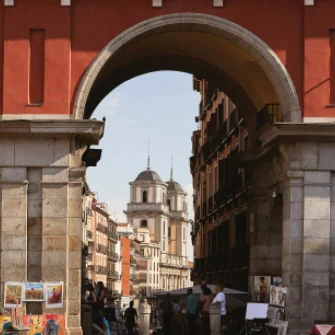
148	207
157	212
178	223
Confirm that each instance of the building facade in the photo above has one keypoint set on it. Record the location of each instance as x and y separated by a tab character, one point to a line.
128	263
101	245
220	231
157	212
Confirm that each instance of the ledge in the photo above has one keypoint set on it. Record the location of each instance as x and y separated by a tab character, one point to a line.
287	131
90	131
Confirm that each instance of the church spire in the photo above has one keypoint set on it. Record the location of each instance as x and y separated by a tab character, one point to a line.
171	173
148	168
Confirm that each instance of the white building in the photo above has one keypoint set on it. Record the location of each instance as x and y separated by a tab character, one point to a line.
157	211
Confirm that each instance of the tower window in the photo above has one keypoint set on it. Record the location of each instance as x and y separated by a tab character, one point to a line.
169	234
145	196
144	224
169	203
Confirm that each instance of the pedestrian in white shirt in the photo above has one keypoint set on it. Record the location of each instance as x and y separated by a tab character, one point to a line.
220	298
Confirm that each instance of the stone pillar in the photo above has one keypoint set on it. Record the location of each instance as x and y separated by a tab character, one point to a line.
13	215
40	182
215	319
145	311
307	267
316	247
293	247
265	215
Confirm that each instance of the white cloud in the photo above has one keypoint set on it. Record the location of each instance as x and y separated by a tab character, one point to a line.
108	106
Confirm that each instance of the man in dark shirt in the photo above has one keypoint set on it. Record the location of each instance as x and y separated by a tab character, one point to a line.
131	318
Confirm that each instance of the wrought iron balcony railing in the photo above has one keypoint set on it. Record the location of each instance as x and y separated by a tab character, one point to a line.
113	255
103	229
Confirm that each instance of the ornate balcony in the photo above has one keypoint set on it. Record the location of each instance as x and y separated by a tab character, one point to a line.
157	208
113	255
178	215
113	236
103	229
113	274
102	270
102	249
173	260
269	114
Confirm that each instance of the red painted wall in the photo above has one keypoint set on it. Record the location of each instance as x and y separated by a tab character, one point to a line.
74	36
125	278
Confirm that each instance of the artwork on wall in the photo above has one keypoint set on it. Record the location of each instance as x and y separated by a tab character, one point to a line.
35	323
5	322
55	324
282	328
33	292
13	294
48	324
261	288
277	296
54	295
275	315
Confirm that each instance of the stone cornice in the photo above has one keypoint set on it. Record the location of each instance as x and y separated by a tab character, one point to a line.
285	131
90	131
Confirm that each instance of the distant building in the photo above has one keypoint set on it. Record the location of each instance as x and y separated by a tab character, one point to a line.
157	213
128	261
189	281
220	232
101	246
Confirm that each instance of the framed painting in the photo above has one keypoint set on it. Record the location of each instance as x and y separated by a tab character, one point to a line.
33	292
54	294
13	294
282	328
261	289
277	296
275	315
54	324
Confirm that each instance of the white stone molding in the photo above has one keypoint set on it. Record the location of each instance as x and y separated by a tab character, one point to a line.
311	119
9	2
309	2
65	2
218	3
89	130
35	116
157	3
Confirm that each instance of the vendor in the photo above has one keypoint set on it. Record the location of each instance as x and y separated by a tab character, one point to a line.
220	298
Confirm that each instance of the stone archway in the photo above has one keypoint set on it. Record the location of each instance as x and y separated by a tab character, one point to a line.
256	49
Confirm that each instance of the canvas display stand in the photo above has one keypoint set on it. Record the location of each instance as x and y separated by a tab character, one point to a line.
256	315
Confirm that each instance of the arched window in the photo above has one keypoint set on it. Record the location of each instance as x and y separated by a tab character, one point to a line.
145	196
169	203
144	224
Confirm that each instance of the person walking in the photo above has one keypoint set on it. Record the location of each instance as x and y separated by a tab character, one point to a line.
130	316
220	299
192	311
92	301
167	307
205	301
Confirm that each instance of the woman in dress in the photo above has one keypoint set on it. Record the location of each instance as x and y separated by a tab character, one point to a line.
205	301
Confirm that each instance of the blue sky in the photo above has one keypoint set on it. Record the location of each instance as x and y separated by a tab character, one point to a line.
158	107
